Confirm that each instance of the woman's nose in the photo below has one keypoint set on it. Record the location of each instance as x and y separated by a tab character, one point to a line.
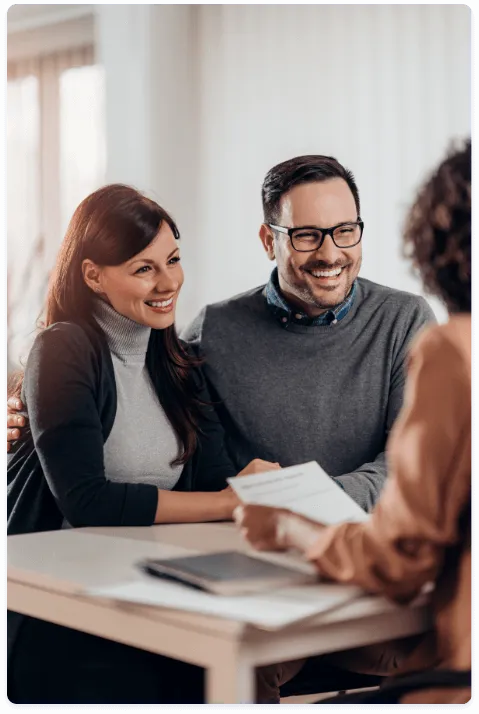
167	283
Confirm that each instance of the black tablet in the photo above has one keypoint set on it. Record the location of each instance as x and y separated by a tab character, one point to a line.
227	573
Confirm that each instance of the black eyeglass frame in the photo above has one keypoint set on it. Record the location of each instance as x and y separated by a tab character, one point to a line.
324	231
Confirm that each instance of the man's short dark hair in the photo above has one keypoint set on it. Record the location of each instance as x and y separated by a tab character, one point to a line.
294	172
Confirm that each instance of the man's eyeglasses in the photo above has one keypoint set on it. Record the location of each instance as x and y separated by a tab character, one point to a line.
309	238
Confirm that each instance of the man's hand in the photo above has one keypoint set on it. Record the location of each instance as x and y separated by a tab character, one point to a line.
268	528
14	421
258	466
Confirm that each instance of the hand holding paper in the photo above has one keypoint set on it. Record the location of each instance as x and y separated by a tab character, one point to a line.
305	489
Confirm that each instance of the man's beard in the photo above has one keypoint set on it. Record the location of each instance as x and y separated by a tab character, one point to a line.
308	297
300	289
306	294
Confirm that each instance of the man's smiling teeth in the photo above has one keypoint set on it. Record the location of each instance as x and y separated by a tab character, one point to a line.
325	273
156	303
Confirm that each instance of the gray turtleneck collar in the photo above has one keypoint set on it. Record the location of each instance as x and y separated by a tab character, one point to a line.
133	454
126	338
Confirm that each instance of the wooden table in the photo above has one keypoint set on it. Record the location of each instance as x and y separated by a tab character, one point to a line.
46	571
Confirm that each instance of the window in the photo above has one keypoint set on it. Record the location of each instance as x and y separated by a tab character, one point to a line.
23	215
55	157
82	150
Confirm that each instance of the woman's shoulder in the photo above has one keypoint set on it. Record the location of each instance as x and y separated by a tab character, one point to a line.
67	355
63	330
72	340
448	343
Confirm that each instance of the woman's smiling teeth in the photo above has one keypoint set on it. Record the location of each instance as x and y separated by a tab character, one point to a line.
159	303
325	273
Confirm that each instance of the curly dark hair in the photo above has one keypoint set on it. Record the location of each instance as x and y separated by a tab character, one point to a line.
437	231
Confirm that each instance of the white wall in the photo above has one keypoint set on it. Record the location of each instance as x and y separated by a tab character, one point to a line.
235	89
149	56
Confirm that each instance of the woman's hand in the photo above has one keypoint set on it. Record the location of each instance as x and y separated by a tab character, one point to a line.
228	501
261	526
258	466
268	528
14	421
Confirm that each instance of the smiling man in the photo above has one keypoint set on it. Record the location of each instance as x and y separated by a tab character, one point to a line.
311	365
314	274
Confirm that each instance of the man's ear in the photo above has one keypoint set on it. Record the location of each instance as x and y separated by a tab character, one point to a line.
92	275
267	239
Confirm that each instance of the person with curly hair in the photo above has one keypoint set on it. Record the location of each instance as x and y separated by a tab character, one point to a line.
419	532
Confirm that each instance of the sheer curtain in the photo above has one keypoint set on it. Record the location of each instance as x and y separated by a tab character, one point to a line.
24	238
55	157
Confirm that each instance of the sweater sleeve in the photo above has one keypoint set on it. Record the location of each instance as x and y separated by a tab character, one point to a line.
365	484
59	391
402	546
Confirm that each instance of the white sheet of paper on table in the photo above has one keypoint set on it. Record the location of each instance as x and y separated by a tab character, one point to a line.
268	611
305	489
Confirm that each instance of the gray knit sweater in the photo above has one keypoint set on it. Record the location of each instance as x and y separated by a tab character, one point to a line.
293	393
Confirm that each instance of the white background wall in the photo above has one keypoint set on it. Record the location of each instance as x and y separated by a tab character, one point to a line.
202	100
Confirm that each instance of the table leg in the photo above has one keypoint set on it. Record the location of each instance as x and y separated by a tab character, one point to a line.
231	680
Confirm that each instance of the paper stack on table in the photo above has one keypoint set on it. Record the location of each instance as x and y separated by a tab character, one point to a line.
268	611
305	489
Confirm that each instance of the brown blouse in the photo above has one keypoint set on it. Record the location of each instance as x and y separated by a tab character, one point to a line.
419	531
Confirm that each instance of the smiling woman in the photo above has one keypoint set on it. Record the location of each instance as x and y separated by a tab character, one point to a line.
122	432
121	247
146	287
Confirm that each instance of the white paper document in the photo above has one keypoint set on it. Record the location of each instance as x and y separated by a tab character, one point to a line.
305	489
268	611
